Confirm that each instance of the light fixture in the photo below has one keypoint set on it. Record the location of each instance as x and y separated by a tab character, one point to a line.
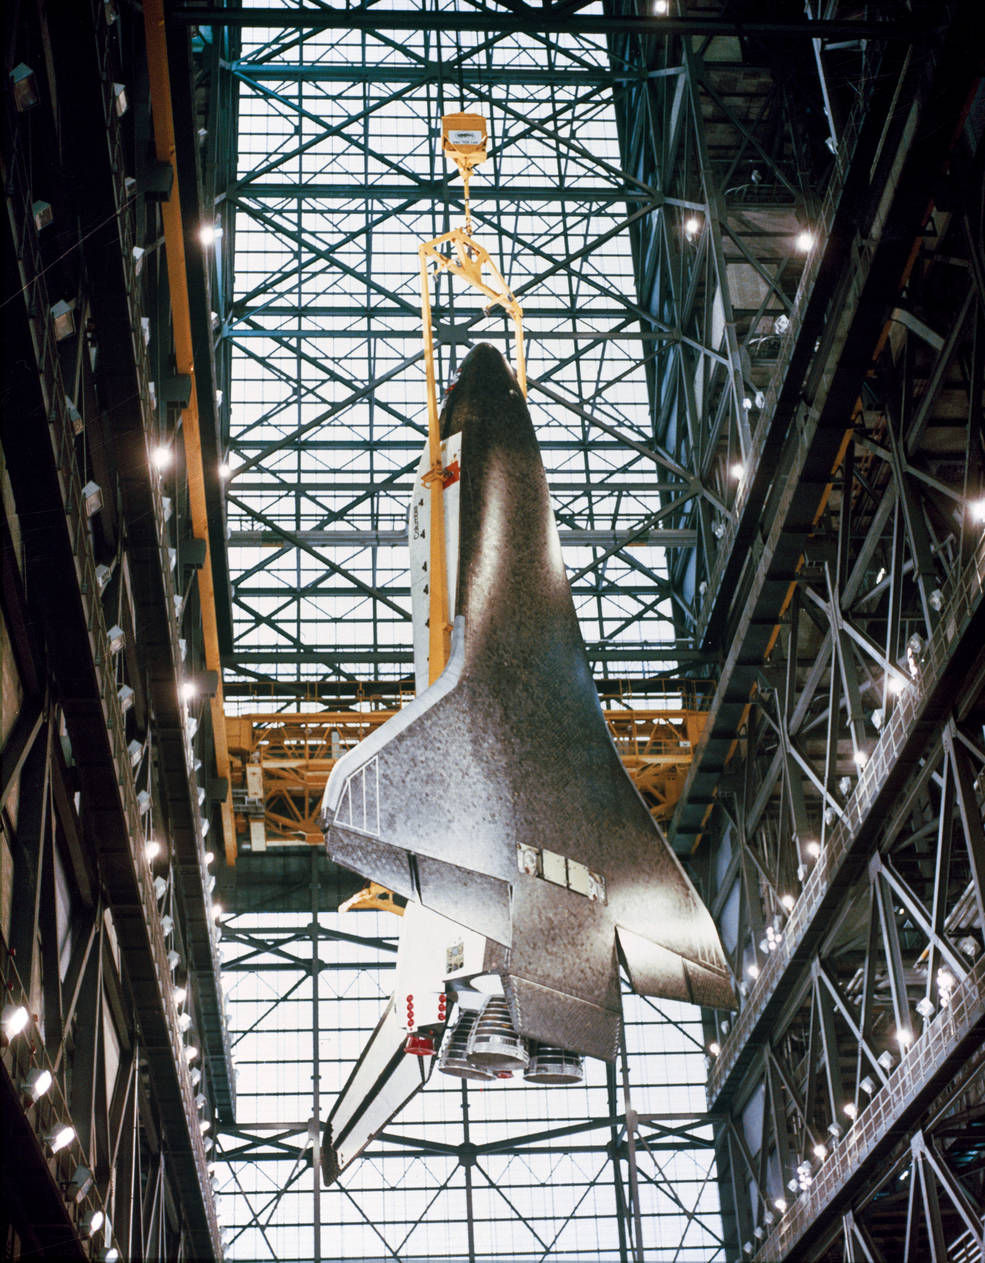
845	786
792	1184
74	415
92	495
217	910
43	214
138	253
191	1052
925	1007
209	857
850	1110
189	689
111	1255
753	970
224	470
758	1232
867	1085
204	1125
119	99
936	600
201	1100
692	226
144	802
813	849
661	8
904	1037
195	1075
737	471
207	234
103	576
174	960
25	85
780	1203
886	1060
126	697
116	637
820	1151
59	1136
94	1222
63	319
746	403
946	982
976	510
829	815
714	1048
152	850
895	685
788	901
781	324
860	758
184	1021
805	240
161	457
834	1130
878	718
180	995
80	1183
37	1083
160	887
167	924
13	1019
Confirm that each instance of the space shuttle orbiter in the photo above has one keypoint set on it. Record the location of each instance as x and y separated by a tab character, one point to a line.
496	800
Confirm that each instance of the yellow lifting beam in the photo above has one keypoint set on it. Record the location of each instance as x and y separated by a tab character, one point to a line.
463	139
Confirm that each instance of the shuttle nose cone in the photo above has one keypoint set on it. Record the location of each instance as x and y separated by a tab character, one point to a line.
486	367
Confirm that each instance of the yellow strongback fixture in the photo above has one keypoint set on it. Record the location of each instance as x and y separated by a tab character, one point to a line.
463	139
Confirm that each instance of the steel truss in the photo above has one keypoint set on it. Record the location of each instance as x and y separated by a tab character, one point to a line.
621	1169
338	178
108	943
839	783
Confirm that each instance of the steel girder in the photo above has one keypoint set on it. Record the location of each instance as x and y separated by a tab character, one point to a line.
840	784
465	1173
322	331
99	587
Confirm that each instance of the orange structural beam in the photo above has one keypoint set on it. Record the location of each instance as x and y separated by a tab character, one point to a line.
281	762
174	240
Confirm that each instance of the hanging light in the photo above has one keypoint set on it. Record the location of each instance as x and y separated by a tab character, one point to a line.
37	1083
59	1136
93	1223
13	1019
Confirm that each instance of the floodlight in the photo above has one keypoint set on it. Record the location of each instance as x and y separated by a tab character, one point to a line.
37	1083
24	82
63	318
92	494
117	638
59	1136
14	1019
43	214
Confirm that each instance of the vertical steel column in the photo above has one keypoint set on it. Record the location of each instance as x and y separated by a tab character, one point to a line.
315	1129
